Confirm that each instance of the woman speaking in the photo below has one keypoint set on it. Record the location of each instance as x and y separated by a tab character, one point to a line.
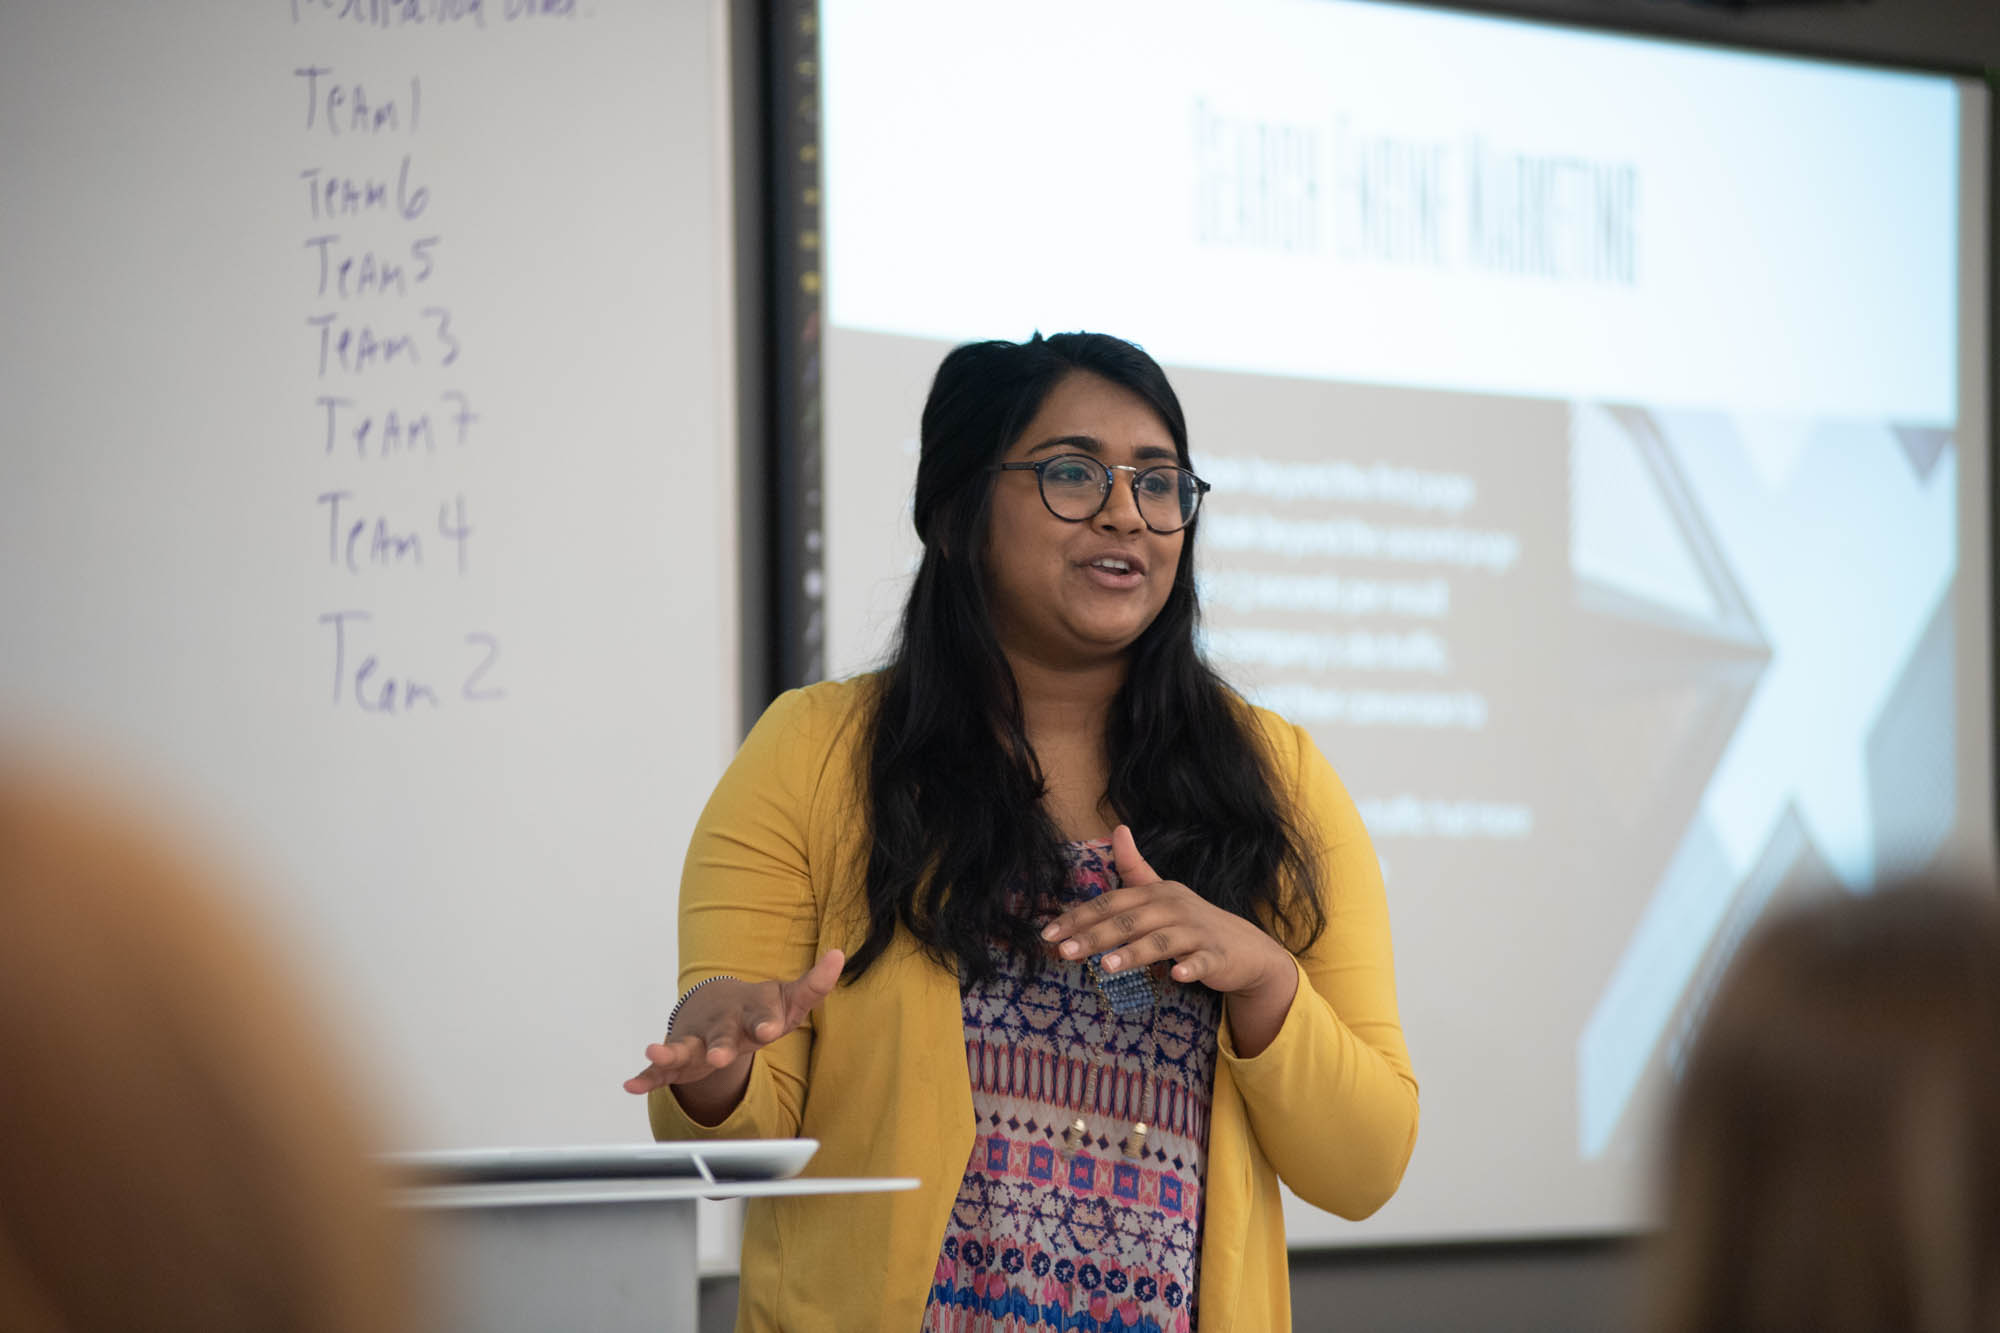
1041	913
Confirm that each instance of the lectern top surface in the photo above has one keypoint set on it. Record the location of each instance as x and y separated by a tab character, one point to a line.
711	1160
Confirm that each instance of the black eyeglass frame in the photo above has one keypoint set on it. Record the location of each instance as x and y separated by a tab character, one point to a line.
1201	487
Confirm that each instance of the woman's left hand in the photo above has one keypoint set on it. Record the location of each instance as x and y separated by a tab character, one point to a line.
1147	919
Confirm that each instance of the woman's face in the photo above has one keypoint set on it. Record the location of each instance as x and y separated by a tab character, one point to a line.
1058	593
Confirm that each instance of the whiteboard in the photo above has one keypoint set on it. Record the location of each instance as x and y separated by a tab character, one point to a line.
368	495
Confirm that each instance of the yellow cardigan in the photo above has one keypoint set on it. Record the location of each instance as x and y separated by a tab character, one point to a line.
878	1074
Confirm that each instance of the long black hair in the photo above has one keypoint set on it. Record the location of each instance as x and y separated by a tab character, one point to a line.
962	854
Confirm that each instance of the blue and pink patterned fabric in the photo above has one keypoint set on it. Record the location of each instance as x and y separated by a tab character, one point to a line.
1044	1238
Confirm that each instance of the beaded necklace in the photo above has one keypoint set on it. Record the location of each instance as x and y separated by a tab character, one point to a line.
1125	994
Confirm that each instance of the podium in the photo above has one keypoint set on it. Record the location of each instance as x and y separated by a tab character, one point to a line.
525	1240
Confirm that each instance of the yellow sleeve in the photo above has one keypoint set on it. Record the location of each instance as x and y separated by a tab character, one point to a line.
1332	1100
749	908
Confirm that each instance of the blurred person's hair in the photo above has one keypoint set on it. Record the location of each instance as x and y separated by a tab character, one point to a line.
1833	1156
177	1148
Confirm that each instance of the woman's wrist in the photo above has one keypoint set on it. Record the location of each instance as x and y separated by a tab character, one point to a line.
1256	1013
1278	980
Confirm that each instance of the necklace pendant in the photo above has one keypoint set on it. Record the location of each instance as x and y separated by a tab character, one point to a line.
1074	1136
1135	1142
1129	993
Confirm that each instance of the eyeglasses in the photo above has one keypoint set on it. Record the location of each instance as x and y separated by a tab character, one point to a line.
1076	487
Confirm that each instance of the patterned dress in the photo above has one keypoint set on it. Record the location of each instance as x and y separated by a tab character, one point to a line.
1044	1238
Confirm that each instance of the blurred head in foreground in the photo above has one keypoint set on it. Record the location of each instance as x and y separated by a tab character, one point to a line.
1833	1159
175	1152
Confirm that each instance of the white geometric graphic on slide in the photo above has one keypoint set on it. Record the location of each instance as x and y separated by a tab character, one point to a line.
1841	546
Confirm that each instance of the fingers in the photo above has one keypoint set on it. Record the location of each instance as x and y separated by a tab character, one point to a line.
1147	949
1114	917
825	974
1129	933
1087	914
1110	919
1132	868
714	1042
803	996
731	1020
687	1057
676	1060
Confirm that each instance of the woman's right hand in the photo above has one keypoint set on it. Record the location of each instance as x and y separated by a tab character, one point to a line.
725	1021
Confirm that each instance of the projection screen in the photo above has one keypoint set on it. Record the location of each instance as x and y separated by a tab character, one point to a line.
1599	438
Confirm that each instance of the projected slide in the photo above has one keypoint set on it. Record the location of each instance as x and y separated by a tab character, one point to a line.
1594	476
